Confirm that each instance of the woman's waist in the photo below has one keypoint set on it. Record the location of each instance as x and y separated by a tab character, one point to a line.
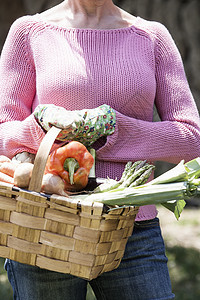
104	169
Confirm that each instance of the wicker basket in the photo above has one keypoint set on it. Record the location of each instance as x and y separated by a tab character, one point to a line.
58	233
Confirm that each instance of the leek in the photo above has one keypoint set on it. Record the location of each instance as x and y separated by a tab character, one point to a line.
177	173
170	189
144	195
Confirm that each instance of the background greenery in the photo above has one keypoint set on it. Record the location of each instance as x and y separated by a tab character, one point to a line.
5	289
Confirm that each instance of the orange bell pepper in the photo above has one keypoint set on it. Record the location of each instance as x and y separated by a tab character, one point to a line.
72	163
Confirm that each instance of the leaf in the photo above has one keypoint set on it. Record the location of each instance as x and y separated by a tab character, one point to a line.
175	206
177	173
193	167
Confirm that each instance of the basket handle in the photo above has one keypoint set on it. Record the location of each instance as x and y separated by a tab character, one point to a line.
41	159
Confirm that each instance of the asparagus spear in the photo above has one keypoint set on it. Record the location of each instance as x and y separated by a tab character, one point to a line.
128	181
131	172
144	176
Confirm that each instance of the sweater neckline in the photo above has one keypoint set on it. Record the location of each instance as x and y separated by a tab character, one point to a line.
89	30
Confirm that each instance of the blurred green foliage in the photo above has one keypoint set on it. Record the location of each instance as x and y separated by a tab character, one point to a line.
184	268
5	288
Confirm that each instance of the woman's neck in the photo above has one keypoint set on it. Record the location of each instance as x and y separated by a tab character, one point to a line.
90	13
91	8
94	14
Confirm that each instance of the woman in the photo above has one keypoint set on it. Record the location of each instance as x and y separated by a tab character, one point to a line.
82	54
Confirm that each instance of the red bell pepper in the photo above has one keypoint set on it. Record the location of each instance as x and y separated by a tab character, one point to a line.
72	163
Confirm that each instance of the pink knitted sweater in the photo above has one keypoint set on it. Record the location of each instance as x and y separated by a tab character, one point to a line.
131	69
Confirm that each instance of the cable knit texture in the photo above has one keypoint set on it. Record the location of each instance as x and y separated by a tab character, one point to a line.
131	69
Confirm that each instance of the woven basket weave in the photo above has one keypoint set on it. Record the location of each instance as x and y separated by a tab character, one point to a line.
58	233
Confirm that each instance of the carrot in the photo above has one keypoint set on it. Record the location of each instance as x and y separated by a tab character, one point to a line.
4	158
6	178
8	168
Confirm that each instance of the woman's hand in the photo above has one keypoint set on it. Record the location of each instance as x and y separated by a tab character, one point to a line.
85	126
49	115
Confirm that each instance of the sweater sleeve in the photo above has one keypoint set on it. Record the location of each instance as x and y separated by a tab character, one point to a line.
18	129
177	135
